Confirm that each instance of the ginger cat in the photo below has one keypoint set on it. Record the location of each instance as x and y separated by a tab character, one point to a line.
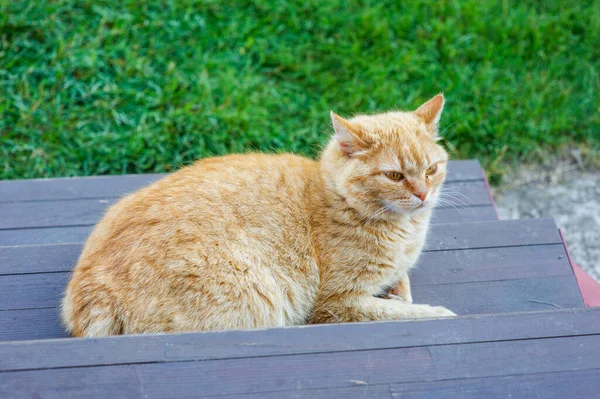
255	241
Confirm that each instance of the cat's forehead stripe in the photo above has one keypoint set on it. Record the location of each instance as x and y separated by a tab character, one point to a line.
414	156
404	137
391	162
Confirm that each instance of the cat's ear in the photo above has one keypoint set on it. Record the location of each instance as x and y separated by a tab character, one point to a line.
349	138
431	111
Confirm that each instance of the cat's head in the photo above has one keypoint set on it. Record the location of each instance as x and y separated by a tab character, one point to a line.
388	162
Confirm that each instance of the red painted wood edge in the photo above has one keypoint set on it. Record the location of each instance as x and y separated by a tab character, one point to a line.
589	288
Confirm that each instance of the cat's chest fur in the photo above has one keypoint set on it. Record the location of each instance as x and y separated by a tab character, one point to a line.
397	251
409	243
373	257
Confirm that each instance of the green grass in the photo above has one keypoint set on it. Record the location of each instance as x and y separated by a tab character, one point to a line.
109	87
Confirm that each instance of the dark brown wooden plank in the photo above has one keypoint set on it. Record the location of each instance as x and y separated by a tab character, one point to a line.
346	369
39	259
516	357
116	186
44	236
565	384
70	234
30	324
441	236
472	214
464	170
502	233
32	291
309	339
544	293
327	370
74	187
434	267
533	294
99	382
282	373
490	264
358	391
193	379
19	215
466	194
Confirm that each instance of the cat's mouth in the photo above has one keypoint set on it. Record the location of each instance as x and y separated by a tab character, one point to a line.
419	208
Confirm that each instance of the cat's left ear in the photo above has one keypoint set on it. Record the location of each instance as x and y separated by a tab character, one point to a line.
430	112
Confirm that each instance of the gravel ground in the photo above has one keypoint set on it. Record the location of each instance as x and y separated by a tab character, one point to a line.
573	200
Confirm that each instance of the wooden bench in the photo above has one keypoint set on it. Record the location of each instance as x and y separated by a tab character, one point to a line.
523	329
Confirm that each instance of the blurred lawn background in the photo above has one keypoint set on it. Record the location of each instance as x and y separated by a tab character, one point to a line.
110	87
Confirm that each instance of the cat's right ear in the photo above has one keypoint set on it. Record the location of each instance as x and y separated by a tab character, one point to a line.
347	136
431	111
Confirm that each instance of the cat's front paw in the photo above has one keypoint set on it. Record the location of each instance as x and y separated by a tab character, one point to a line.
423	312
396	298
440	311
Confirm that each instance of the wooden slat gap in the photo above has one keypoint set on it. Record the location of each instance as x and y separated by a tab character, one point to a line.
110	197
494	247
65	226
21	309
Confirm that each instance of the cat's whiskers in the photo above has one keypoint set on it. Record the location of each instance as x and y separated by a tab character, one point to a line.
453	200
449	190
446	202
452	195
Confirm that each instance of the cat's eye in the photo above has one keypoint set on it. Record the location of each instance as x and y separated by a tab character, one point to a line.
395	176
431	170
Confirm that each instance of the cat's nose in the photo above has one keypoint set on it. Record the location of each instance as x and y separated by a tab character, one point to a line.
421	195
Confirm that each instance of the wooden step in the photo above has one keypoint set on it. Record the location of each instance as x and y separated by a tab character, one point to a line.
477	268
541	354
95	187
52	211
